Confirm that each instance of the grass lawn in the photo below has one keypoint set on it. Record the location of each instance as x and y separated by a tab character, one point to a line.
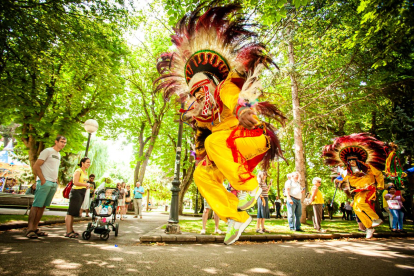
23	218
280	226
63	207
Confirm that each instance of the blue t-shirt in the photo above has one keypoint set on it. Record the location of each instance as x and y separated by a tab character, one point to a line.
137	190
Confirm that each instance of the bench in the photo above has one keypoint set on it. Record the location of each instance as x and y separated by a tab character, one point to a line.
149	208
16	200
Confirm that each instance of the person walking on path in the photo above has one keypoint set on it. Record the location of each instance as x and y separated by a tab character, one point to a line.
138	192
278	203
263	203
46	168
294	206
205	218
77	195
317	204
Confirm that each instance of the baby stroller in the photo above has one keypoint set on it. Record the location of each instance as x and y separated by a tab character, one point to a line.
103	209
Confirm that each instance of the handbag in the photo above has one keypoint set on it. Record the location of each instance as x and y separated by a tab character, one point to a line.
67	189
128	199
308	199
393	204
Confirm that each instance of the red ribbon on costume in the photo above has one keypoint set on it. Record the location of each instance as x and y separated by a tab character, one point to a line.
240	132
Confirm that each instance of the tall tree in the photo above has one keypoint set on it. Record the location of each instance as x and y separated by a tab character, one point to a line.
57	58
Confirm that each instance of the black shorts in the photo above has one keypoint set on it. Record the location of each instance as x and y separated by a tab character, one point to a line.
76	198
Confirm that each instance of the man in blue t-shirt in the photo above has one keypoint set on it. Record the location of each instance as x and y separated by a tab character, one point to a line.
138	192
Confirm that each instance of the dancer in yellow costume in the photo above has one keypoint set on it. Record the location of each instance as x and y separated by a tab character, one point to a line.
364	158
215	70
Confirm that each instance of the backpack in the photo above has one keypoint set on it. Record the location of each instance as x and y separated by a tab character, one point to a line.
67	189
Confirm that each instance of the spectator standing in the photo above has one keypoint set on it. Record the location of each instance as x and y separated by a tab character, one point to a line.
138	192
348	210
317	204
263	203
121	199
343	211
46	168
77	195
278	203
395	204
127	199
92	189
205	218
294	206
385	204
330	209
88	196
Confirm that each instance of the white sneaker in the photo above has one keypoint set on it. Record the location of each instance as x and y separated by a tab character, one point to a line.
376	222
248	199
370	233
203	232
235	229
218	231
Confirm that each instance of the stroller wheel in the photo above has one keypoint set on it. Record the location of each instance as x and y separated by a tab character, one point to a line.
105	236
86	235
116	229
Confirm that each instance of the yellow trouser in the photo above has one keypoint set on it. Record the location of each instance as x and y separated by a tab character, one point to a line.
209	179
363	210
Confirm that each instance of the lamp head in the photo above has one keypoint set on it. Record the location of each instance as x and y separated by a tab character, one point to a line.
91	126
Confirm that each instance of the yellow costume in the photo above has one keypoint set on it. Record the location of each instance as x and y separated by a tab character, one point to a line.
365	187
364	158
210	49
219	163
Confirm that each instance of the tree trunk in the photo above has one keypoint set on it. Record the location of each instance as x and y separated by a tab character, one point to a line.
299	156
147	157
142	144
185	184
35	148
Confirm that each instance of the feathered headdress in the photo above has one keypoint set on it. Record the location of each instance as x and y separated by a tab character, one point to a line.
365	147
208	47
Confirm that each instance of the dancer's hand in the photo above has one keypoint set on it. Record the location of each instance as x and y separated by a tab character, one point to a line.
247	120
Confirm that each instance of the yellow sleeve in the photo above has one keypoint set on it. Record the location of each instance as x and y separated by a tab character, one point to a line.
379	178
229	92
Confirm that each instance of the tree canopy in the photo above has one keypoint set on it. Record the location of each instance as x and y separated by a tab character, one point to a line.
62	62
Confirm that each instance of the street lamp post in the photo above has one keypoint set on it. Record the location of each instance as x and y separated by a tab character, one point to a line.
91	126
173	227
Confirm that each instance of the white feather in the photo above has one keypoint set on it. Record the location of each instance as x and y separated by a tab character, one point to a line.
251	89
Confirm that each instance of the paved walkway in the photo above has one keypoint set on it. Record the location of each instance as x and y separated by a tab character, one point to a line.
149	230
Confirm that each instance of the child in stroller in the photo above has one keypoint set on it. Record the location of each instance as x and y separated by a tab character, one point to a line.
103	209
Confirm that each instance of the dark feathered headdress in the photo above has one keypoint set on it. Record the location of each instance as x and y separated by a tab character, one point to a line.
365	147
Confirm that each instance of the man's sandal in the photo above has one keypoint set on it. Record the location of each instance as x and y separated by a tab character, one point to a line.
71	235
41	233
31	235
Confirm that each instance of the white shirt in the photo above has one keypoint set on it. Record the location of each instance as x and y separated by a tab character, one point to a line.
294	189
50	167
